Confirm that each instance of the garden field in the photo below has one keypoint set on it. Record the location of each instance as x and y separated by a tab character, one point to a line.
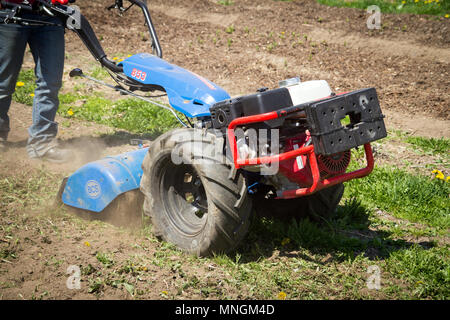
395	221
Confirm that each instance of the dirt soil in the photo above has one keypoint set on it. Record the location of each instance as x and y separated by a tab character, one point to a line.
407	61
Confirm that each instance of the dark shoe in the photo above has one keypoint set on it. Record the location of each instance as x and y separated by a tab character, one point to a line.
58	155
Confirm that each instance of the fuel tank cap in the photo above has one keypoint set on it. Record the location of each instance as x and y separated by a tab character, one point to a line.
289	82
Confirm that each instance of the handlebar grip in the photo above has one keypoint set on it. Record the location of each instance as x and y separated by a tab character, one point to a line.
12	5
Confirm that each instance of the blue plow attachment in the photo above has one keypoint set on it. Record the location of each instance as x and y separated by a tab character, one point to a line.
93	186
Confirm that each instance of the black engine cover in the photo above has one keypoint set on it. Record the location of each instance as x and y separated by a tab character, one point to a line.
223	112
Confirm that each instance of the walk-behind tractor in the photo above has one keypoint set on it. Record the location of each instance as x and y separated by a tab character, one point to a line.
288	147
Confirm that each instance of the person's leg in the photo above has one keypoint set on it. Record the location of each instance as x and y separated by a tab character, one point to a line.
13	41
47	47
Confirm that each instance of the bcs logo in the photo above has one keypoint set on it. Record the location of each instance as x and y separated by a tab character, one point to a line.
138	74
93	189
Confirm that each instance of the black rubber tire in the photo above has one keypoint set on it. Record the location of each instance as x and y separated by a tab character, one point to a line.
318	206
219	220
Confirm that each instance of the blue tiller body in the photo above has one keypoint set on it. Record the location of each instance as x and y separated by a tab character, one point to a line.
96	184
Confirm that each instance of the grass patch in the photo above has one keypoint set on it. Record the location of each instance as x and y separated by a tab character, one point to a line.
142	117
312	257
225	2
100	73
440	7
412	197
427	271
131	114
134	115
105	259
24	94
435	146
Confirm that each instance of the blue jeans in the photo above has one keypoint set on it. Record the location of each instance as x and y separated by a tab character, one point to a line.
47	47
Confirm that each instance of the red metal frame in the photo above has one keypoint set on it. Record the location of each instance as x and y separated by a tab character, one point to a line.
317	184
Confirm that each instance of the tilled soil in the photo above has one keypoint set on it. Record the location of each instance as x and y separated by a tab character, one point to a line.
407	60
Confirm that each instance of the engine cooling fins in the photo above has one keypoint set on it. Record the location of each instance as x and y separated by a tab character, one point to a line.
334	164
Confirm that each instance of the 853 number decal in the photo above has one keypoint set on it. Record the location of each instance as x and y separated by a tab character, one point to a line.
138	74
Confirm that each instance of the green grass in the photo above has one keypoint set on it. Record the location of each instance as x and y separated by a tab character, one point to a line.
229	29
412	197
132	114
100	73
440	8
300	270
24	94
105	259
428	271
225	2
435	146
142	117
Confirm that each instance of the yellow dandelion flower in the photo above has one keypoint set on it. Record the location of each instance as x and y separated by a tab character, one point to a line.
439	174
403	2
446	16
282	295
115	58
285	241
129	55
87	244
447	179
70	112
20	84
416	1
120	60
31	94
